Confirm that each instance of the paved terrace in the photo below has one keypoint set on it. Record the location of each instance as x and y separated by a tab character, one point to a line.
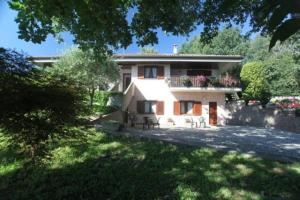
269	143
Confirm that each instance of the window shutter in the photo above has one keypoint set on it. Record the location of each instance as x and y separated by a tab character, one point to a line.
197	108
140	72
160	72
160	108
140	107
176	108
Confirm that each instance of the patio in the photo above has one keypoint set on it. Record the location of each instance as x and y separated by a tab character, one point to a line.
269	143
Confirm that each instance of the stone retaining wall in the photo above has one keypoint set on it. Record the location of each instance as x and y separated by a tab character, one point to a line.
255	115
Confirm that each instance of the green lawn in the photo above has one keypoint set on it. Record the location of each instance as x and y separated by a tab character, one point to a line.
94	165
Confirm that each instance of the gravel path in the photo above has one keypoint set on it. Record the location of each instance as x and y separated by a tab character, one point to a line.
270	143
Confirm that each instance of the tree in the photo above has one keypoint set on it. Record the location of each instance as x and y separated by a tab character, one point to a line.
255	85
280	64
33	105
83	68
258	49
102	25
148	50
281	74
227	42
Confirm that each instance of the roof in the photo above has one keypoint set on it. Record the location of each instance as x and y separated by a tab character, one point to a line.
135	58
43	59
131	58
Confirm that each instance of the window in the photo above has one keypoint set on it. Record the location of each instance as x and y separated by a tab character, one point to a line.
149	107
150	72
186	107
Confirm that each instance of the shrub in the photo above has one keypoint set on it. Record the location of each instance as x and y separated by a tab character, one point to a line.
112	125
254	84
106	102
33	105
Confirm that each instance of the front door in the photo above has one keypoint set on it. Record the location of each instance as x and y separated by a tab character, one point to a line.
126	81
213	116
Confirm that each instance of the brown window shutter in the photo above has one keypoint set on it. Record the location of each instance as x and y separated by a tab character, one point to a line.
140	72
160	72
160	108
176	107
140	107
197	108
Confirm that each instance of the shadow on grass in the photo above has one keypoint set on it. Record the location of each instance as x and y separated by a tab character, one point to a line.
96	166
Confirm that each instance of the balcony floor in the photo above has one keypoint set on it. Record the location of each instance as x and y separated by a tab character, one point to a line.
206	89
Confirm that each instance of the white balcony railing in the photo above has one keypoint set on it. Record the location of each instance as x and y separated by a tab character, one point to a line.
201	81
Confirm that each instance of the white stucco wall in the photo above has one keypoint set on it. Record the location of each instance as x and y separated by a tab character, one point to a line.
158	90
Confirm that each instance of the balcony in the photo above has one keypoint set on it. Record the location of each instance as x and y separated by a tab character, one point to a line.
224	83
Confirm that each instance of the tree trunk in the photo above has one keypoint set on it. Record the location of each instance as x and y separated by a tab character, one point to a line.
92	94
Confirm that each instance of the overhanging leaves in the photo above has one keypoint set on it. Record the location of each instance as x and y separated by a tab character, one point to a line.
285	30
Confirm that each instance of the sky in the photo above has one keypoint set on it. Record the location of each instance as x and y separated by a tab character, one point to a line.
50	47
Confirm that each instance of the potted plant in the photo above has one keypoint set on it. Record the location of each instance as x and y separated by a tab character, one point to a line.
228	81
201	80
186	81
214	82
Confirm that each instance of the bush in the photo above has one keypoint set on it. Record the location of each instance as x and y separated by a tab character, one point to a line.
106	102
33	105
112	125
255	87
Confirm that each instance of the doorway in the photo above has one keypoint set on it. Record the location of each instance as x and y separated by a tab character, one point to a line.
213	115
126	80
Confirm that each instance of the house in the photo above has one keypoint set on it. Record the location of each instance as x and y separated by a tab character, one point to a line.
170	87
173	88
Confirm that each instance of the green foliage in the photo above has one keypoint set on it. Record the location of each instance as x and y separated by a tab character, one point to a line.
104	25
281	74
227	42
186	81
281	64
148	50
84	69
34	105
91	164
255	85
106	102
258	49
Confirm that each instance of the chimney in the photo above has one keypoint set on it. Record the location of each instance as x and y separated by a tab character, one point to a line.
175	50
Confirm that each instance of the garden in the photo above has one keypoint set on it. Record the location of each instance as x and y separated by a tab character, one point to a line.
93	165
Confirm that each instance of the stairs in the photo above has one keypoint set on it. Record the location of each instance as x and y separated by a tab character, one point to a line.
127	96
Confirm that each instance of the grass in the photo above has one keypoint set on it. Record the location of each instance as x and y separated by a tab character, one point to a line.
93	165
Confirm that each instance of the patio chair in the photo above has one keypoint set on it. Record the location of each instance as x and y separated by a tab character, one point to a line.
201	121
191	121
153	123
170	120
